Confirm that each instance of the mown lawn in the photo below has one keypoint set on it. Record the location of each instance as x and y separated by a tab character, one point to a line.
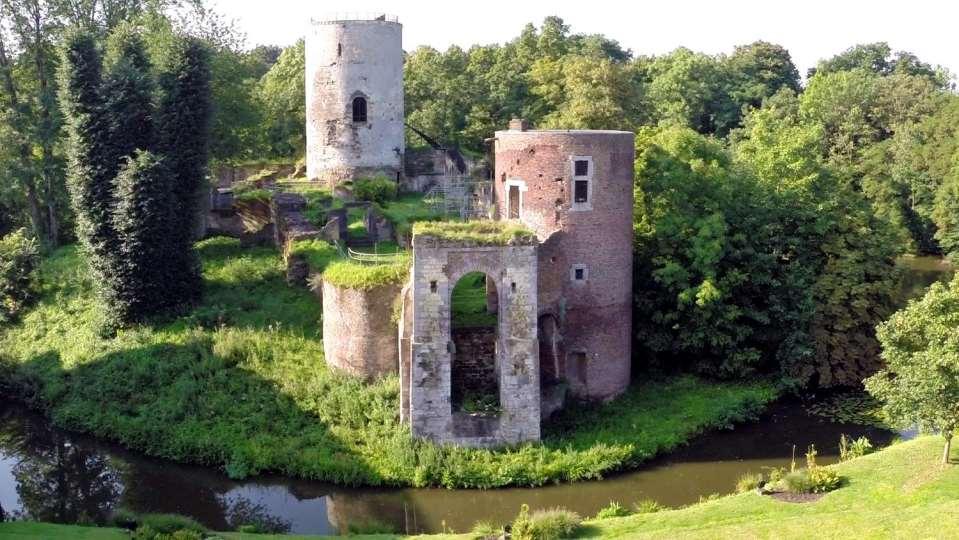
240	383
900	492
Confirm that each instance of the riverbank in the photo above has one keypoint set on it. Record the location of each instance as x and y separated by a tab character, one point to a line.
899	491
240	384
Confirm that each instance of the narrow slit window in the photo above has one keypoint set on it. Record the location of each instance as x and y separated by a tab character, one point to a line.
359	109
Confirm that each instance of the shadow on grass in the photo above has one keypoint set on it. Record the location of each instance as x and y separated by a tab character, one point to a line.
185	403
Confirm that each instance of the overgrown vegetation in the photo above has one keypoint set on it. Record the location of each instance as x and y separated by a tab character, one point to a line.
19	258
240	383
480	233
379	189
469	306
551	524
350	274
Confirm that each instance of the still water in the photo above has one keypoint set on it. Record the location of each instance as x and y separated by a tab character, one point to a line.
50	475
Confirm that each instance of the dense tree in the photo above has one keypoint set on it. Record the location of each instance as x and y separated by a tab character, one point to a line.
184	117
143	219
282	93
880	59
920	345
19	260
585	93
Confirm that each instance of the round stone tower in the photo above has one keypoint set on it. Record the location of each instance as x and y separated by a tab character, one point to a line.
575	190
354	97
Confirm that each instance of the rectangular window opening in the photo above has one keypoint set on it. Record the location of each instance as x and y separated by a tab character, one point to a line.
581	167
581	191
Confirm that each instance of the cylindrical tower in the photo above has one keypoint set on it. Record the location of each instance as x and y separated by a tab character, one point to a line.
354	97
575	190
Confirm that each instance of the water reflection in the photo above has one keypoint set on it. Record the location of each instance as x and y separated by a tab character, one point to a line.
46	474
49	475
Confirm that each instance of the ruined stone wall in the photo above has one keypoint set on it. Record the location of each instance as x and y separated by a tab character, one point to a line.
594	314
426	394
359	336
346	59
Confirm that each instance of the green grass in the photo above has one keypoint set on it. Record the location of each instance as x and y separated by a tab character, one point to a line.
469	302
317	253
899	492
351	274
240	383
406	210
481	232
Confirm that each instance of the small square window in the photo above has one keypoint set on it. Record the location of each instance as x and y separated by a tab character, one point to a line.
580	274
581	191
581	168
432	286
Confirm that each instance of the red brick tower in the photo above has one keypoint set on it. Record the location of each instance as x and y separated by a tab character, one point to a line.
574	188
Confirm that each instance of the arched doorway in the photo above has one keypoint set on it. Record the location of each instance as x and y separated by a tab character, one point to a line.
474	327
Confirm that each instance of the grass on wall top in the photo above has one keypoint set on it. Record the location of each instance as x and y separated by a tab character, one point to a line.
480	232
350	274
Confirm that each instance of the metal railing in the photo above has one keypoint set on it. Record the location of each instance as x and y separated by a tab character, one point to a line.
355	16
378	258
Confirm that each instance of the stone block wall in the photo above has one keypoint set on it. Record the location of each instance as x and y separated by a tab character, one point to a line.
474	363
359	336
426	392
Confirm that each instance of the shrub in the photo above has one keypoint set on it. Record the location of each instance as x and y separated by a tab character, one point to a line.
19	259
379	189
648	506
484	530
171	523
612	510
749	482
812	479
545	524
851	449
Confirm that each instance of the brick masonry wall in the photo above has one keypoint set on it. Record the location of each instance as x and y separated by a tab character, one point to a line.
594	315
436	268
359	336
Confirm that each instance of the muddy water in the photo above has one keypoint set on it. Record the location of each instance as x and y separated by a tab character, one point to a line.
50	475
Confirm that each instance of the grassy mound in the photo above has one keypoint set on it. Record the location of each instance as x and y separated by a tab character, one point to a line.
240	383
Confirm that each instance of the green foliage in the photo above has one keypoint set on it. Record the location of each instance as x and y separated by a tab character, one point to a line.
370	526
482	232
318	253
613	510
349	274
19	258
648	506
549	524
184	126
239	383
749	482
170	523
483	530
144	211
919	384
850	448
379	189
282	95
469	306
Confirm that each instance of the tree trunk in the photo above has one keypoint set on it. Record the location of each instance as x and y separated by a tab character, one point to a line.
947	450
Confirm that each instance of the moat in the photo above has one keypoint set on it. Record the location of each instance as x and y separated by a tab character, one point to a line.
50	475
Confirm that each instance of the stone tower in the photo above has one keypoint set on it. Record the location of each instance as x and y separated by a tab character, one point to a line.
575	190
354	96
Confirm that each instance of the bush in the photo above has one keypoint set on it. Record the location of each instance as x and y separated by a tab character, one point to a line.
370	526
648	506
545	524
484	530
812	479
612	510
852	449
19	259
749	482
379	190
